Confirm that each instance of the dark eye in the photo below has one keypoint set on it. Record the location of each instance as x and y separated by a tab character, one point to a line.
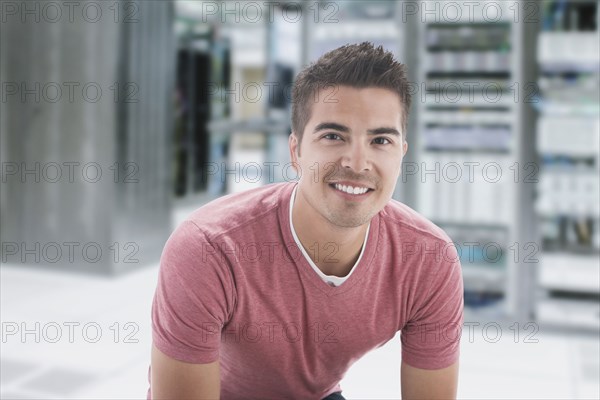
382	138
329	135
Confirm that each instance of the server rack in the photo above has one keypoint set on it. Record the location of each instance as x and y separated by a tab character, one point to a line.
203	74
470	168
568	199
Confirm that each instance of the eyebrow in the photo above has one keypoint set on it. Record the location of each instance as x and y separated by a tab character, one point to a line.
379	131
342	128
331	125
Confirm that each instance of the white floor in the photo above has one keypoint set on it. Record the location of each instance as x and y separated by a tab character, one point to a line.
93	341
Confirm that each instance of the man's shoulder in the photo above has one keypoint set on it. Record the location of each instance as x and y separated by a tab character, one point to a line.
399	216
236	210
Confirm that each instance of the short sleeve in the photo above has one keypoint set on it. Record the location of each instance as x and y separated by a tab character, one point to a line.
194	297
431	337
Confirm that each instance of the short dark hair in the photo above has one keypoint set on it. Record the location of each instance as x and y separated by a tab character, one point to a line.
355	65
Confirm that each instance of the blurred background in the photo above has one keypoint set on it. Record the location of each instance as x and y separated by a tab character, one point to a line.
119	118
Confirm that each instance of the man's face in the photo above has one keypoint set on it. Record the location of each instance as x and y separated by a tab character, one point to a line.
353	138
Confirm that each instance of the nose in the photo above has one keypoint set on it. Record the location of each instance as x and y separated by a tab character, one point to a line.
356	157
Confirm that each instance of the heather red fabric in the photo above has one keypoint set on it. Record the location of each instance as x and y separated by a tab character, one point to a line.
234	286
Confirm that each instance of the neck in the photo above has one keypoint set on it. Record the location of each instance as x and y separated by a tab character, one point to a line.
333	249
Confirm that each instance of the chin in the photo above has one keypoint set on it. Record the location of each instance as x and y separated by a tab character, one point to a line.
345	221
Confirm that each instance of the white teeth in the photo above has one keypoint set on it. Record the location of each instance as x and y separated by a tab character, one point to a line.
350	189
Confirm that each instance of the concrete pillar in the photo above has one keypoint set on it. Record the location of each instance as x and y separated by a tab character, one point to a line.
86	94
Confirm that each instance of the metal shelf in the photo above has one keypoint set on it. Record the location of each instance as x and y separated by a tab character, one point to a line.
570	272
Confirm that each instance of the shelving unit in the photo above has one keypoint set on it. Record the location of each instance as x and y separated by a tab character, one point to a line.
266	57
469	164
568	202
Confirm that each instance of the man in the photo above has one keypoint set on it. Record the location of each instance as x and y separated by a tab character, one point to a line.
275	292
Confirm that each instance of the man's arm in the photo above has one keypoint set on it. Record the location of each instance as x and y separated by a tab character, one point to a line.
427	384
173	379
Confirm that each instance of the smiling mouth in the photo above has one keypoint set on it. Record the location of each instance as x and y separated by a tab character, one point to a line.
356	191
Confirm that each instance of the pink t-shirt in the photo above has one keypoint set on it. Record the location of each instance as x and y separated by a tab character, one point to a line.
234	286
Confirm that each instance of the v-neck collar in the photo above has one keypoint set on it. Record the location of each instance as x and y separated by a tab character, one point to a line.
311	272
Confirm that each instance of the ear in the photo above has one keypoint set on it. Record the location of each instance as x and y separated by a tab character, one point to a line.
404	148
294	149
